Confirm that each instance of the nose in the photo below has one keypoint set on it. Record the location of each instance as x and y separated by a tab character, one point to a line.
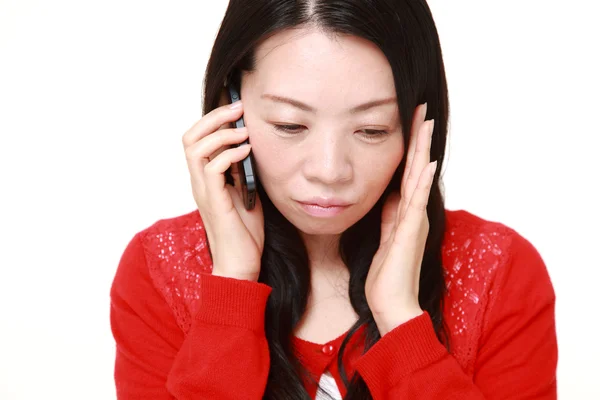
327	159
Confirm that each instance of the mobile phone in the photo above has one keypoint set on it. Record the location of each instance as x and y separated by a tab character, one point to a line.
246	167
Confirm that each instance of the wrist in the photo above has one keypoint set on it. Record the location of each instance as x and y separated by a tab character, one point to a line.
389	321
252	277
232	302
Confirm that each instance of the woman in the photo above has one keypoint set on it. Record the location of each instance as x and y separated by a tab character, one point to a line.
349	278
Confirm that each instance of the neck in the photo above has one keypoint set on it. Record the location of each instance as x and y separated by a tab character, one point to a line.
328	271
323	250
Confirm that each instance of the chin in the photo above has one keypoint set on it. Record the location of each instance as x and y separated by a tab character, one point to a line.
323	226
321	230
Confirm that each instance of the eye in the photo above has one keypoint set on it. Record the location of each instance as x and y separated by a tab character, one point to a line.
370	134
289	128
373	134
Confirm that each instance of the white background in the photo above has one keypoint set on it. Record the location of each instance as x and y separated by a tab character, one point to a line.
94	99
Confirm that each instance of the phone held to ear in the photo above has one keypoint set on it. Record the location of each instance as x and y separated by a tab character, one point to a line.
246	167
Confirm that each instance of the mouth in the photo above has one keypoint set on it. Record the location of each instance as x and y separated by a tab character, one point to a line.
324	209
325	202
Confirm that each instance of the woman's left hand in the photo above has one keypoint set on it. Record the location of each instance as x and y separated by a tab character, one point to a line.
392	285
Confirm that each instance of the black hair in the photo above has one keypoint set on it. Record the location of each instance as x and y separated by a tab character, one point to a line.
405	32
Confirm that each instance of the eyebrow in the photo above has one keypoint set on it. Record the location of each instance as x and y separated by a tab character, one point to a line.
306	107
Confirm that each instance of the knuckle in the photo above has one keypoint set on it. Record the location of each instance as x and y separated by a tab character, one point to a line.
218	140
223	115
419	206
210	168
214	113
185	139
190	153
214	166
220	137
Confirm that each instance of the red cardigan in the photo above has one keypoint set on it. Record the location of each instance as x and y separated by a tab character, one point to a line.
182	333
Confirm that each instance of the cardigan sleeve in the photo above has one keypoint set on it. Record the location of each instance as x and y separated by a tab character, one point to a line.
517	353
223	356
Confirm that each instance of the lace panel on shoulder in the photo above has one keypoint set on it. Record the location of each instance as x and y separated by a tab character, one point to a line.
177	254
471	255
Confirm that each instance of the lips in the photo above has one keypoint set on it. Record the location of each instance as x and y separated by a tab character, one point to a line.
324	207
325	202
322	212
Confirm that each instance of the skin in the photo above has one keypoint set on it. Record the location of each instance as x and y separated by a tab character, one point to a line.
329	152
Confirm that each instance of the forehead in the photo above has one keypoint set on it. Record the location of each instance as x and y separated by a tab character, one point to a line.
312	65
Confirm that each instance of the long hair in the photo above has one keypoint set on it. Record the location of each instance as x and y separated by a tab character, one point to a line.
405	32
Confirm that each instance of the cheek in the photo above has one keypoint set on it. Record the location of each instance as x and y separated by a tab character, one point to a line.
272	161
378	168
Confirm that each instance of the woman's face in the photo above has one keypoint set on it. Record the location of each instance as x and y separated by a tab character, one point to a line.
330	147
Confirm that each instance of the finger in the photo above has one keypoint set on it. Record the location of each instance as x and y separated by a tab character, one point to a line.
411	226
211	146
200	153
418	121
419	163
388	216
217	119
214	173
236	169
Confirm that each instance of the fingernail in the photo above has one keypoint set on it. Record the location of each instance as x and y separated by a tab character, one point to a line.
424	110
236	105
432	126
433	168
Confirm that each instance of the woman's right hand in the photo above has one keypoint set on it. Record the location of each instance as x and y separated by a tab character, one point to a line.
235	235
